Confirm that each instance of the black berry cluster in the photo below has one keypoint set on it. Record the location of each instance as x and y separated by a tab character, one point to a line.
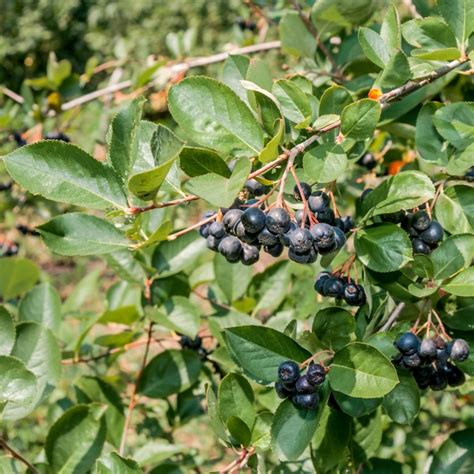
246	228
6	186
431	360
301	389
424	232
368	161
25	230
195	344
244	24
340	287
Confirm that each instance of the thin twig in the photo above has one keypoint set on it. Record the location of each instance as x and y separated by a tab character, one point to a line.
172	70
16	455
13	95
393	317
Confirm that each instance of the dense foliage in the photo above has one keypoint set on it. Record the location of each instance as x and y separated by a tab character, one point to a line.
278	274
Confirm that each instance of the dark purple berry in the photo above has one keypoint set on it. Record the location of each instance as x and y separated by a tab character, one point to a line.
231	248
323	236
318	201
303	385
274	250
408	343
253	219
250	254
288	372
459	350
419	247
433	234
421	221
217	230
278	220
308	401
305	187
333	287
316	374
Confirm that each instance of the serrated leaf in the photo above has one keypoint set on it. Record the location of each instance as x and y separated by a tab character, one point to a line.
293	100
170	372
359	119
17	383
113	463
215	117
462	284
455	122
459	16
402	404
325	163
396	72
260	350
390	30
455	209
81	234
295	37
452	255
121	137
333	100
429	33
383	247
334	327
198	161
360	370
373	46
63	172
75	440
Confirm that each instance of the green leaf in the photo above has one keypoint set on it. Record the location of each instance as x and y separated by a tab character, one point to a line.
383	247
17	276
402	404
165	149
113	463
455	122
214	418
126	266
390	30
239	431
333	100
462	317
452	255
367	436
173	256
260	350
429	33
17	383
233	279
123	304
76	439
325	163
405	190
293	428
270	152
460	163
373	46
42	304
63	172
81	234
459	17
38	349
462	284
218	190
215	117
445	54
121	137
178	314
361	371
293	100
198	161
356	407
160	234
359	119
455	209
7	332
94	389
335	327
429	143
170	372
234	71
236	399
287	421
295	37
455	455
396	72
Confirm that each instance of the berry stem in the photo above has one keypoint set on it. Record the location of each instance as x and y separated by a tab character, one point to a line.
303	198
315	356
441	325
16	455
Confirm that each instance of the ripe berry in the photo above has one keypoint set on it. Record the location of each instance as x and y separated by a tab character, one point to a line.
427	349
320	281
323	235
217	230
318	201
354	295
299	217
433	234
250	254
412	360
454	375
408	343
316	374
340	238
420	247
255	187
282	391
213	243
231	248
303	385
422	375
265	237
253	219
326	215
231	219
334	287
309	400
442	354
274	250
367	161
278	220
288	372
459	350
300	240
187	342
305	187
438	381
348	223
421	221
304	258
